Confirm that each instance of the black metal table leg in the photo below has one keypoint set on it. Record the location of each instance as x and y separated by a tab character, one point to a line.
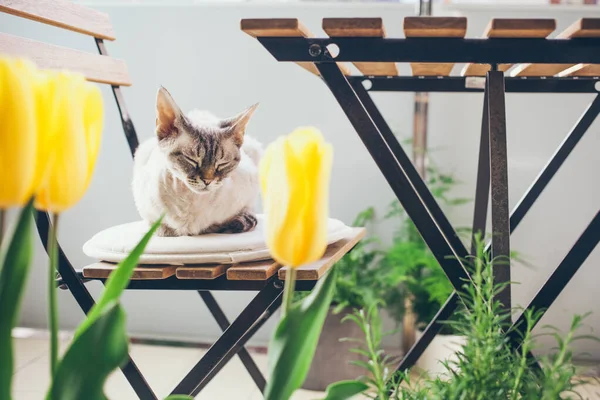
519	212
499	184
561	276
557	160
232	340
482	189
400	173
223	323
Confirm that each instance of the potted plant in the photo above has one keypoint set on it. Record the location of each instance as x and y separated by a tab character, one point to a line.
358	284
486	368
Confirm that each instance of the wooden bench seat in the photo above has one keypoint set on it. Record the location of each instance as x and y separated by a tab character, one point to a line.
252	271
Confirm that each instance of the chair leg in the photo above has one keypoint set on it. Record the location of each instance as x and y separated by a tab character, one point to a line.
223	323
70	278
233	339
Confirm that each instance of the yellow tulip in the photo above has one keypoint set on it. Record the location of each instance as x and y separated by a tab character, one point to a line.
18	133
74	120
294	174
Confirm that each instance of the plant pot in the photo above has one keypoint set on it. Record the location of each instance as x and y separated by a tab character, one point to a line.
441	348
332	357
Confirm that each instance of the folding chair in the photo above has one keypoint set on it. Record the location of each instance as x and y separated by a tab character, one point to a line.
568	64
266	277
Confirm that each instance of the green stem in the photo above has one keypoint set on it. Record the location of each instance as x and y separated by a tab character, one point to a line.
2	223
288	289
52	304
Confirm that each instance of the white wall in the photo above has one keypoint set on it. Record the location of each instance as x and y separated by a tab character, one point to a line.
201	56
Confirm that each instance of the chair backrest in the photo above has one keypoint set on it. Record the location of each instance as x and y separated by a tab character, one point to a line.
64	14
99	68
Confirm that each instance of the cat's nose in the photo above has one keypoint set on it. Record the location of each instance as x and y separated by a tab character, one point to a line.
206	181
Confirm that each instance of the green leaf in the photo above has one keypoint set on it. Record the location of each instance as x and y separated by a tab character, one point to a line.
118	280
294	342
100	342
179	397
94	354
345	390
15	261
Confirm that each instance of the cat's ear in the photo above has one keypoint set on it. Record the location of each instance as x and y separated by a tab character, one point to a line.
236	126
167	113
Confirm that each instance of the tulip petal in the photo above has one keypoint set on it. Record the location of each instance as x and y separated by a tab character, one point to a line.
67	173
44	98
18	139
295	173
93	120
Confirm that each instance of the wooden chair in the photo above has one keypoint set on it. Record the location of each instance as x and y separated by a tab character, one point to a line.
265	277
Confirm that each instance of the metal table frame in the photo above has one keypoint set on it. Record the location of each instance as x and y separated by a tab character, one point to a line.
492	175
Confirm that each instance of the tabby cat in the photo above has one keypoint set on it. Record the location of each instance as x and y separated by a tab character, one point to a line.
200	170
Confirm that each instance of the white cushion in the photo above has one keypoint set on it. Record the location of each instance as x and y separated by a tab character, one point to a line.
115	243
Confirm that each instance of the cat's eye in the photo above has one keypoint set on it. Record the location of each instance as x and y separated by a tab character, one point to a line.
191	161
221	167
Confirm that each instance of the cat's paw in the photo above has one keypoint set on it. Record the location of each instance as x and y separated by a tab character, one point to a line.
166	231
242	222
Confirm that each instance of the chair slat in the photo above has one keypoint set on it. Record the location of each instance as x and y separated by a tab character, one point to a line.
583	28
282	27
334	252
361	27
102	270
201	271
94	67
448	27
63	14
511	28
253	271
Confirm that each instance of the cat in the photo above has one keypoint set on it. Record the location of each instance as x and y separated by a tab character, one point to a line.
201	171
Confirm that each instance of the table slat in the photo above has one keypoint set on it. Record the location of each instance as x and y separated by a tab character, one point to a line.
583	28
283	27
448	27
334	252
361	27
511	28
581	70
